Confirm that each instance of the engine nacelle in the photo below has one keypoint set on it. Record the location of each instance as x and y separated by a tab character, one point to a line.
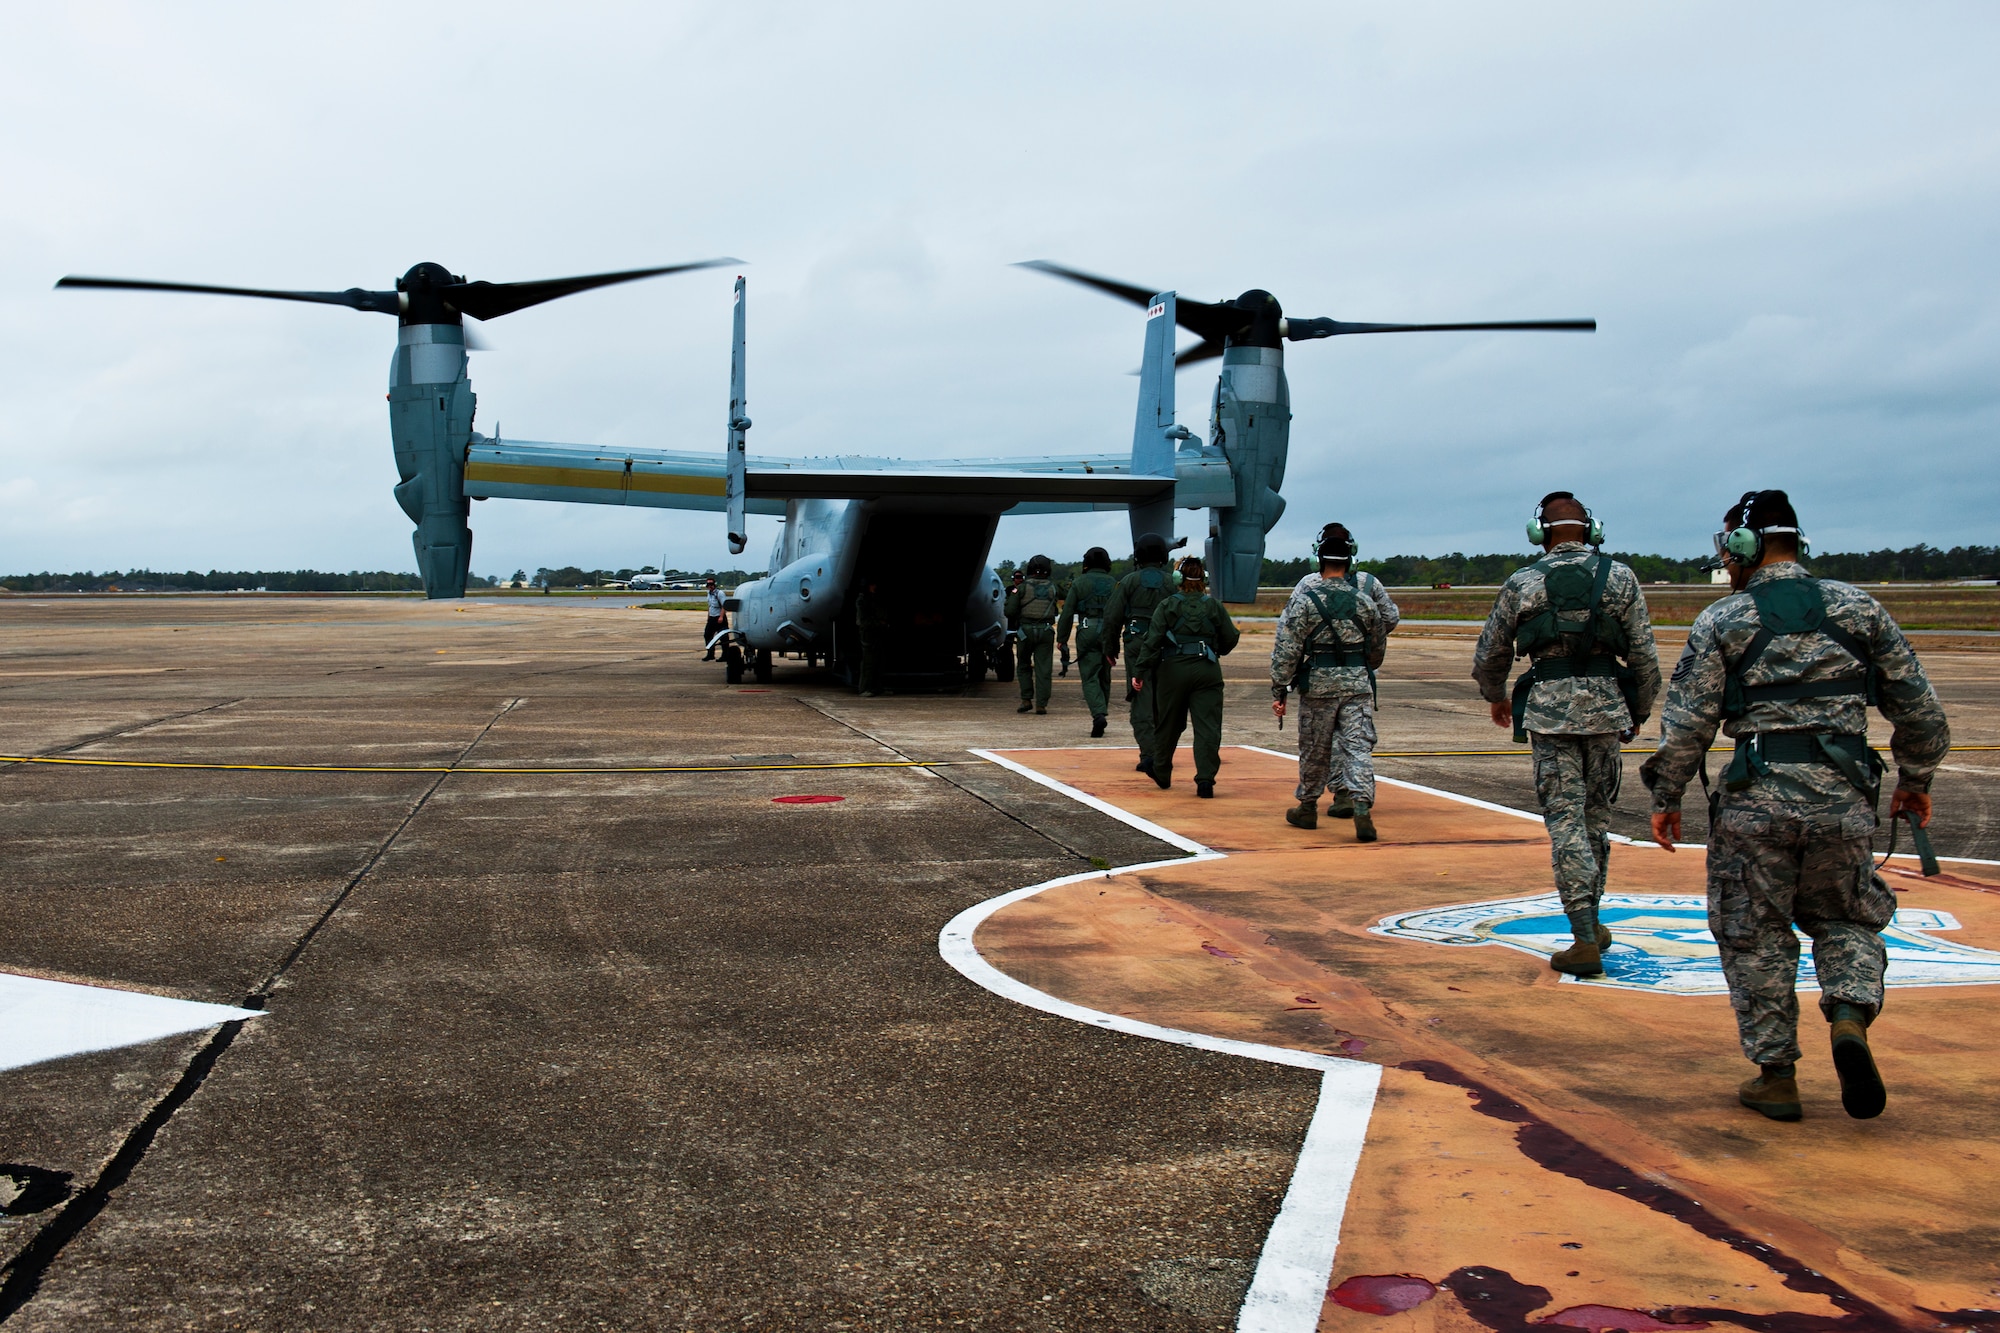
1252	425
431	406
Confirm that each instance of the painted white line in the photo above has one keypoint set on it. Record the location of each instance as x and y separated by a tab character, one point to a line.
1288	1290
47	1020
1523	814
1167	836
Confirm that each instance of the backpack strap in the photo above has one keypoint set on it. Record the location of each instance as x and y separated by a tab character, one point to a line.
1737	696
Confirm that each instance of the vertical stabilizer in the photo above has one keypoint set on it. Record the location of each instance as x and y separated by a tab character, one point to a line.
1153	430
735	460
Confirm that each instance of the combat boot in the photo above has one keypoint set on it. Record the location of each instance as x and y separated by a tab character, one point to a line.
1163	778
1205	788
1039	710
1861	1092
1581	959
1096	726
1342	807
1027	705
1364	822
1303	815
1773	1094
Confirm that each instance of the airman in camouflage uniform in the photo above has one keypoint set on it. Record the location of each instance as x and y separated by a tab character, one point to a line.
1575	612
1032	604
1330	639
1083	610
1127	617
1181	665
1788	665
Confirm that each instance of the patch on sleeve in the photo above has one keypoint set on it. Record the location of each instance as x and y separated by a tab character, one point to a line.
1685	667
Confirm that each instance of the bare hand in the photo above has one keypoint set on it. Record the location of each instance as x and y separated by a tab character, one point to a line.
1917	803
1503	713
1278	707
1137	684
1667	828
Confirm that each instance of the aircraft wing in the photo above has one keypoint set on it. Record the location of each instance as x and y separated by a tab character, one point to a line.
669	479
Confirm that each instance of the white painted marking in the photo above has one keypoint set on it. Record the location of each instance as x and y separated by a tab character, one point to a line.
1288	1290
1146	826
1523	814
47	1020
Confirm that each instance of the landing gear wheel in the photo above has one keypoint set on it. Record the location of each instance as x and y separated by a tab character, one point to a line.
732	664
762	668
1003	666
975	664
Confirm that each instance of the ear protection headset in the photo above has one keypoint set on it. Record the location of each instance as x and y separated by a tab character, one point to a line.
1538	531
1332	546
1745	543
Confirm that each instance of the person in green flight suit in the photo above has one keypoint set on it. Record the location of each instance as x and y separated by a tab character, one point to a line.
1181	663
1034	600
1083	609
1127	616
871	618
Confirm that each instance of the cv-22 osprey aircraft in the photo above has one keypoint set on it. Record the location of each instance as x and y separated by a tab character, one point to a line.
849	521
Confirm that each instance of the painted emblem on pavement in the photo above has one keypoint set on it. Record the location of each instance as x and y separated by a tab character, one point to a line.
1662	943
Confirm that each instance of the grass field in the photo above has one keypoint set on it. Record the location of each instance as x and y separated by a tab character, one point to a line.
1915	606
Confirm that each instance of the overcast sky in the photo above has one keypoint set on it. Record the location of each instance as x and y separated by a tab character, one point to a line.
1783	216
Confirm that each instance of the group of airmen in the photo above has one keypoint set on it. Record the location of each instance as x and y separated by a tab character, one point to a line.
1786	665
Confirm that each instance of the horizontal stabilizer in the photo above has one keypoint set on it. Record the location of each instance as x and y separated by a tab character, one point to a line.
1001	487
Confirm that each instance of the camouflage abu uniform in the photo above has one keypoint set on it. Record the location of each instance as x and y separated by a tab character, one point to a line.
1337	705
1792	844
1575	722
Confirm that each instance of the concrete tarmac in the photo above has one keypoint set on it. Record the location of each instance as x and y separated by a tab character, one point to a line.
608	1049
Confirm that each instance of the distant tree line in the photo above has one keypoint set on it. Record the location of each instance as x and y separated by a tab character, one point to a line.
219	580
1912	564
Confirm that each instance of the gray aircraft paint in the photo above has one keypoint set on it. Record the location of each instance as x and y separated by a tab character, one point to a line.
430	420
735	455
1251	424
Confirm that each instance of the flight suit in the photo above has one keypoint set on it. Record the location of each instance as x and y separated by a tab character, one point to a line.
872	620
1033	602
1127	617
1181	663
1084	610
1789	838
1574	722
1337	702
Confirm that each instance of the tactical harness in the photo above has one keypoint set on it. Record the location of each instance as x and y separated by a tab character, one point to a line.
1596	642
1197	643
1040	606
1346	603
1152	579
1786	607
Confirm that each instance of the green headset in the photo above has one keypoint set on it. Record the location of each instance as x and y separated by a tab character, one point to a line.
1538	531
1745	543
1331	547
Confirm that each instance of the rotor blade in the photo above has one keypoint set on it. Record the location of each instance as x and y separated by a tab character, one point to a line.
1205	350
474	342
354	297
1303	330
1206	320
490	300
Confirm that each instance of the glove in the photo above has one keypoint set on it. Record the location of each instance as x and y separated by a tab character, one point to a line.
1065	661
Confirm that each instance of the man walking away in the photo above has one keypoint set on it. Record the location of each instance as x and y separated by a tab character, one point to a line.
1789	665
1580	616
1084	609
1127	617
1033	601
1331	639
717	622
1181	666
